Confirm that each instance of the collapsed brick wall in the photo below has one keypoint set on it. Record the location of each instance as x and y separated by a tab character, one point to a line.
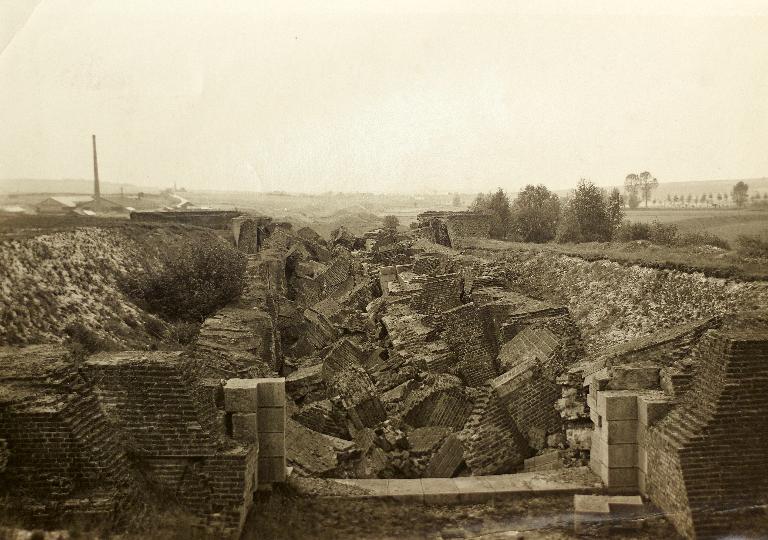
237	342
437	295
710	454
529	397
468	225
148	398
463	330
344	376
492	442
248	232
442	403
447	228
211	219
61	448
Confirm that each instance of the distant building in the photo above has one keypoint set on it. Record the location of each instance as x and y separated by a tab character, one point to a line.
61	204
103	206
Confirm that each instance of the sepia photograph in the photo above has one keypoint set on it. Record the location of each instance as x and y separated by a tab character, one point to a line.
405	270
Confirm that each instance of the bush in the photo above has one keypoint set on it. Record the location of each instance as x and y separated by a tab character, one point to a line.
192	282
184	332
84	339
628	232
84	342
703	238
752	246
663	234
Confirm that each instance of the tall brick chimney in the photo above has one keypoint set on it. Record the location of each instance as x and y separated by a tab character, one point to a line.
96	192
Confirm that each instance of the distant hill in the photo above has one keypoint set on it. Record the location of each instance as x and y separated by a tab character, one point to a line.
67	185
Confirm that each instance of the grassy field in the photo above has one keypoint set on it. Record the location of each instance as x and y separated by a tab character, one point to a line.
728	224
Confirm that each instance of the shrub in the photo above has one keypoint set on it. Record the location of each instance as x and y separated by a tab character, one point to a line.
192	282
628	232
703	238
184	332
752	246
663	234
84	342
83	338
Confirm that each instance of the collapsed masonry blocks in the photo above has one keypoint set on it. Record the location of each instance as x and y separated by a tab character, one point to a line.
442	403
447	460
323	417
310	454
236	340
449	228
529	397
492	442
345	376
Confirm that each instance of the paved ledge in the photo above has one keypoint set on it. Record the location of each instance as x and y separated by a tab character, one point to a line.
480	489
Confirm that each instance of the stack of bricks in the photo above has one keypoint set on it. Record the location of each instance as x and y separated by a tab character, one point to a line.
622	418
256	408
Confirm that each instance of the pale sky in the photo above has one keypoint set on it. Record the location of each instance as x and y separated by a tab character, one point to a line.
383	96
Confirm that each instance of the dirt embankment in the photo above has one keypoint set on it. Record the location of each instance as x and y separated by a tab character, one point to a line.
49	282
612	302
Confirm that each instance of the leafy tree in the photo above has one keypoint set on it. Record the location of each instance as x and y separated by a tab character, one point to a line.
535	214
641	186
739	193
456	200
615	209
192	282
585	217
703	198
719	196
497	205
391	222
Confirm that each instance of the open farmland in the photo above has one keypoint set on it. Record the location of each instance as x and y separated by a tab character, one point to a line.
725	223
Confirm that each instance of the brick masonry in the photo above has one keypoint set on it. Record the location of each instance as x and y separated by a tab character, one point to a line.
710	454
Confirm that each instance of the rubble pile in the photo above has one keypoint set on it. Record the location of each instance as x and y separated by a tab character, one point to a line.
424	362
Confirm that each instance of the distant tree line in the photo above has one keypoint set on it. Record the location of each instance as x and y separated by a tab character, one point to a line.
538	215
